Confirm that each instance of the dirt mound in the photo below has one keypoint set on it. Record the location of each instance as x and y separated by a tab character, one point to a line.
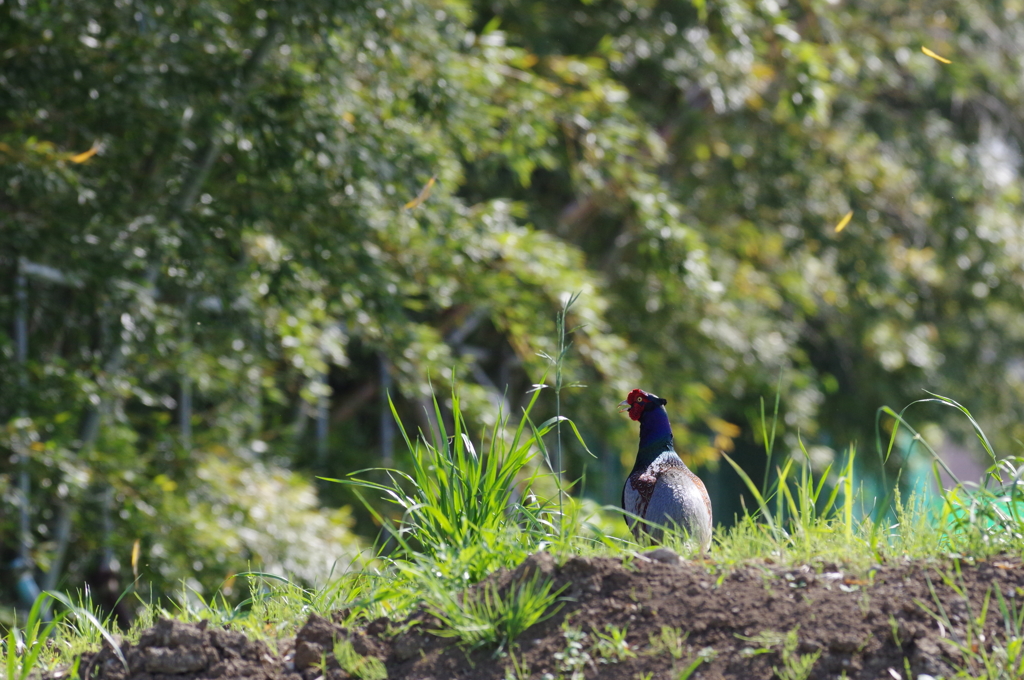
651	617
172	649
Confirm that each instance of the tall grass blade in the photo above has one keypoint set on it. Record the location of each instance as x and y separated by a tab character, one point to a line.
765	512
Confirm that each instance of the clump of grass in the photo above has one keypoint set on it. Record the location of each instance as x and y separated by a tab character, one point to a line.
25	649
356	665
83	626
486	616
706	655
810	517
611	646
992	656
275	606
804	516
669	640
469	512
575	658
795	666
978	519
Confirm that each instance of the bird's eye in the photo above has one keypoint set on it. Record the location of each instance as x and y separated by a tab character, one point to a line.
639	400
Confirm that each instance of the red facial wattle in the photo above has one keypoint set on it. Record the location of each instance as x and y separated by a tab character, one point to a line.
637	401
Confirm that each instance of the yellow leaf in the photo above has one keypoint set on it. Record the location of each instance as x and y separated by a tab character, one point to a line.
527	61
723	443
165	483
424	194
37	446
843	222
934	56
85	155
348	117
724	427
762	71
135	557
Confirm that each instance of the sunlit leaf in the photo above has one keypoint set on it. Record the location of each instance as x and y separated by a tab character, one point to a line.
934	56
843	222
423	195
85	155
135	557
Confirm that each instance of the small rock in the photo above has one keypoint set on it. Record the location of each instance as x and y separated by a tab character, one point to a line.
808	647
663	555
406	646
318	630
927	656
175	661
538	565
308	654
378	626
364	645
579	566
844	645
169	633
231	643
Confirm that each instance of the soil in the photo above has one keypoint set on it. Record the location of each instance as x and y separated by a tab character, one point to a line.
675	613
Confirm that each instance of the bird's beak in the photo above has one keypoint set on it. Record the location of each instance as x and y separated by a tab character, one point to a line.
624	406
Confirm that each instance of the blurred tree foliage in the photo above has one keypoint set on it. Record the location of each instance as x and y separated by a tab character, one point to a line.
264	215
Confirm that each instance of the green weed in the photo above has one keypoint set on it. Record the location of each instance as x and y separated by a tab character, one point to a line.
356	665
25	650
794	666
575	659
611	646
706	655
669	640
516	670
984	655
473	511
484	616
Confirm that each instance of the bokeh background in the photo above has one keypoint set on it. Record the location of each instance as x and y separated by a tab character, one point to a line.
230	228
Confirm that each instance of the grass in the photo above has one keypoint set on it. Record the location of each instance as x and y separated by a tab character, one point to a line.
459	505
486	616
669	640
987	653
26	648
357	666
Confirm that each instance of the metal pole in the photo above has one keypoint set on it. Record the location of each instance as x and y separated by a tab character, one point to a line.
185	411
185	387
21	340
107	524
322	414
26	586
387	422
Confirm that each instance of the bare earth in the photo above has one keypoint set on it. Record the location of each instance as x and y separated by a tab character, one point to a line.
871	626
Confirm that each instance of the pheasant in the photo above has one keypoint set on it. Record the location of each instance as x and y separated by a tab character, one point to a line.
661	489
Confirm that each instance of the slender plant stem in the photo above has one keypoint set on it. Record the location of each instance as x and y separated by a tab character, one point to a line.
558	413
563	350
